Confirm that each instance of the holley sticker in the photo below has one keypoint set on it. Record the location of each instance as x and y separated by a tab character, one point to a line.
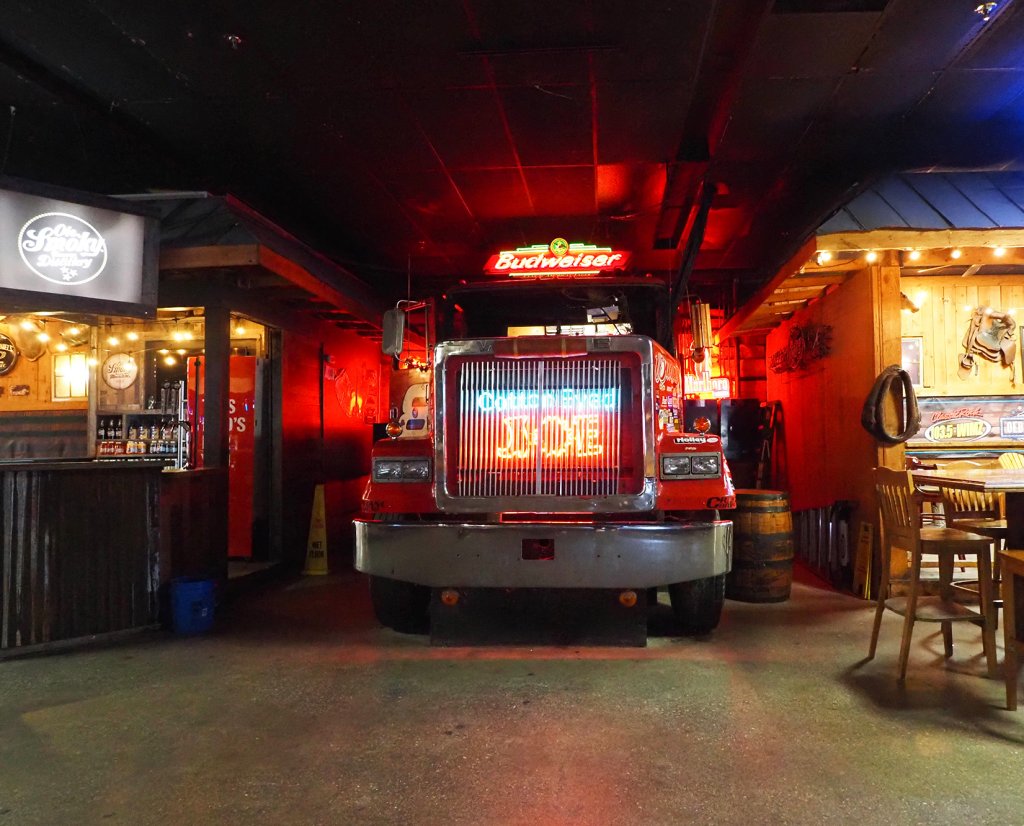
695	440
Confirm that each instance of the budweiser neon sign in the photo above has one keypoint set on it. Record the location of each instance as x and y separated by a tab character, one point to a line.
556	260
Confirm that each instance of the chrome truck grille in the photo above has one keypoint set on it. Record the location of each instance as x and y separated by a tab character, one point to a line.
529	432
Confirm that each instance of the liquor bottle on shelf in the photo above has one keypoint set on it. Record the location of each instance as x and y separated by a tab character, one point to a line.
118	428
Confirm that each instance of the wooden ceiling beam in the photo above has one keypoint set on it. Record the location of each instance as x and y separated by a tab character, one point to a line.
906	239
738	320
215	257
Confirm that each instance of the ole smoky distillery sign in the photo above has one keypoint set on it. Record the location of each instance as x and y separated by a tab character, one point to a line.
82	251
62	248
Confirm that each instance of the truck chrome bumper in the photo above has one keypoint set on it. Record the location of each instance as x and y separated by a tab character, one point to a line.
446	554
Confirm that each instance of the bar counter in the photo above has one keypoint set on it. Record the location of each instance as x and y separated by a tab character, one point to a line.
85	546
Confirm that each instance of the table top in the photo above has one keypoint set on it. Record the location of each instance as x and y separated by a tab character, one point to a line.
989	480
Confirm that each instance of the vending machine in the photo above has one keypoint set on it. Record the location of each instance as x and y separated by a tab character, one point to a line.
243	425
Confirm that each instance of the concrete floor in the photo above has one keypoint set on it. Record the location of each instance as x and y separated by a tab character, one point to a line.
298	709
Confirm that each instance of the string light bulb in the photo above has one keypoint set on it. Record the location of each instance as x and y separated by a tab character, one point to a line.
170	360
999	252
113	341
131	335
914	255
871	257
955	254
824	256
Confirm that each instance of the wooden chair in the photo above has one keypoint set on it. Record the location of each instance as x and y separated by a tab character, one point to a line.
1011	460
980	513
901	528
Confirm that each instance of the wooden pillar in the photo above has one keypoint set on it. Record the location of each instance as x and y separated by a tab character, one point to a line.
885	288
218	352
888	334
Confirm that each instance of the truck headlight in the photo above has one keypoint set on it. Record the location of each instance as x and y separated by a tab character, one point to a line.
401	470
704	465
675	465
416	470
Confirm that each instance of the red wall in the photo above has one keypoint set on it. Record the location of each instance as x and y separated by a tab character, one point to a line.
343	463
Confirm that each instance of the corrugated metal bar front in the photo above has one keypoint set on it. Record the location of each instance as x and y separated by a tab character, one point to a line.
78	552
539	427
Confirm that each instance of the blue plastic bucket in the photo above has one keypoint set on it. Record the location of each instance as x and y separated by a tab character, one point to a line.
192	605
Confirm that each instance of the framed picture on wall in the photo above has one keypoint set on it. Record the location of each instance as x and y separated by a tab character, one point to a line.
912	347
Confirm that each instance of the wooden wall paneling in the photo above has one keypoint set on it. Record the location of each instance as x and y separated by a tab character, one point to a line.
1014	298
952	300
947	346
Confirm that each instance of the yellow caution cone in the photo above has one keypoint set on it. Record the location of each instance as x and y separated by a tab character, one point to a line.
316	548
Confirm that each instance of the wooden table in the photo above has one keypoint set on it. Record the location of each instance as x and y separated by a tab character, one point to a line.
1011	483
1012	566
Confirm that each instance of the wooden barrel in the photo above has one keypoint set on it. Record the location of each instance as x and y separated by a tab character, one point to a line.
762	547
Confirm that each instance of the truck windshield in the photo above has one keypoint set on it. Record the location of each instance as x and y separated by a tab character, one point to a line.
551	308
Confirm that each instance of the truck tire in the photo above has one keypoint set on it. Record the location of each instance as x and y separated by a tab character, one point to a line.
401	606
697	605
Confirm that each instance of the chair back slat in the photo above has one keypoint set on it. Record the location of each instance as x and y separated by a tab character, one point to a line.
899	508
1011	460
971	504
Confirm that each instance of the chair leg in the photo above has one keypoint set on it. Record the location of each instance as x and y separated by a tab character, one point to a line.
911	615
988	611
883	593
1010	664
946	592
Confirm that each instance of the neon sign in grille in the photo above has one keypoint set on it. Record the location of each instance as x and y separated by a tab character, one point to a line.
544	427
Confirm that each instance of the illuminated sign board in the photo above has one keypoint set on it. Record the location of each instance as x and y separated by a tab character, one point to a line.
555	436
566	399
705	387
975	421
559	259
64	250
557	423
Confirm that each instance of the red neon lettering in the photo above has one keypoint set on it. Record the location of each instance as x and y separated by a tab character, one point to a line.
560	437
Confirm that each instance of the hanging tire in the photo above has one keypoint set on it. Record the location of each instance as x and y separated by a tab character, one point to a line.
402	606
697	605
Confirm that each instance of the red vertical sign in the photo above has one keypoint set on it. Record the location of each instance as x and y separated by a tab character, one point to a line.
241	443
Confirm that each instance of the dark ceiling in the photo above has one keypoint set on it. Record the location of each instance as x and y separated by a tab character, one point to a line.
416	135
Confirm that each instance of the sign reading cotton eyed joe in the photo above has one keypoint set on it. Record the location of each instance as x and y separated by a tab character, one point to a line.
557	259
77	253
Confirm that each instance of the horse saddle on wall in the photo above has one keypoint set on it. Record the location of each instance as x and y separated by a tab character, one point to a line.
989	336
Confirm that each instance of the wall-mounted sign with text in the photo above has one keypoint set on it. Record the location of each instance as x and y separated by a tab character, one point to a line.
61	250
119	371
8	355
969	421
559	259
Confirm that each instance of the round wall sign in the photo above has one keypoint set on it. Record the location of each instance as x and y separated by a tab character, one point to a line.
8	355
119	371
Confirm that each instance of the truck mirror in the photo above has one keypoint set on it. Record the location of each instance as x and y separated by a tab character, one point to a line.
394	332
